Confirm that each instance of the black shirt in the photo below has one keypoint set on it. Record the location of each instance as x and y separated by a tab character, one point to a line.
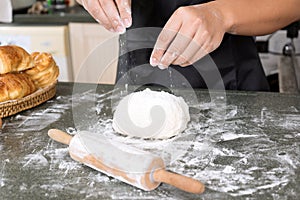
235	64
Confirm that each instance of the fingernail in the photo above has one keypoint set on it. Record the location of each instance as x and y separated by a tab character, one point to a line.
153	62
112	30
120	29
127	22
161	67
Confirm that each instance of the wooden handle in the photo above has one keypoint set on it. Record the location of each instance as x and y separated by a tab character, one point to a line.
182	182
60	136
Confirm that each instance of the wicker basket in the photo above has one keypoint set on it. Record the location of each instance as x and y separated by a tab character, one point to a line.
12	107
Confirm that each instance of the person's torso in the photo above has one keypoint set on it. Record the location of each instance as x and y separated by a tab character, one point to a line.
236	58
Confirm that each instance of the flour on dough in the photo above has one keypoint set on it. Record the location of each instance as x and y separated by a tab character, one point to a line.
139	105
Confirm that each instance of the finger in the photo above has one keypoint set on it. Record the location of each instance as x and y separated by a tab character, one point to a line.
164	39
94	8
201	38
157	53
203	51
180	60
111	11
208	45
168	57
200	54
188	53
124	7
178	45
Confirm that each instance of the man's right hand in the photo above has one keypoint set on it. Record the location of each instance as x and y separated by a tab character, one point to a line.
113	15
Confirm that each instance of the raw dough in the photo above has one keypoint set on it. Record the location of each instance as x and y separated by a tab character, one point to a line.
135	110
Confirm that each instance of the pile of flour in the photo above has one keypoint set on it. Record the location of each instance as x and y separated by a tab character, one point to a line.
151	114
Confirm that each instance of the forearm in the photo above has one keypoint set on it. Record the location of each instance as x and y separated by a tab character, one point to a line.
256	17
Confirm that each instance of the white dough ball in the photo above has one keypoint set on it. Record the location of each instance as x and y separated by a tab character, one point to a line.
151	114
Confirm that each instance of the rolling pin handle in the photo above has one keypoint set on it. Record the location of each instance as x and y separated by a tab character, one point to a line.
60	136
181	182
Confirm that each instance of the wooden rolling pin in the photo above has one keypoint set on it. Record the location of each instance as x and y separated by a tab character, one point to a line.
133	166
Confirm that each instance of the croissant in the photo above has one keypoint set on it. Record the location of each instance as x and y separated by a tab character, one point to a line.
15	86
45	70
14	59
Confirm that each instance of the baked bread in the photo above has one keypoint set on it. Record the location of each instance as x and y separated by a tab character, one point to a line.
45	70
14	59
15	86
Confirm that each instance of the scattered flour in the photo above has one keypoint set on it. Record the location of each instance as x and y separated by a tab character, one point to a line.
208	152
2	172
233	136
35	159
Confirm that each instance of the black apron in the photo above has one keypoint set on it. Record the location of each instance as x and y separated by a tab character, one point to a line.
236	59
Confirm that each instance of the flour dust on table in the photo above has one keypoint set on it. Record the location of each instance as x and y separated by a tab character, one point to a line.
253	154
227	152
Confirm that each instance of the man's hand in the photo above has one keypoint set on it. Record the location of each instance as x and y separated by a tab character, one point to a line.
114	15
191	33
195	31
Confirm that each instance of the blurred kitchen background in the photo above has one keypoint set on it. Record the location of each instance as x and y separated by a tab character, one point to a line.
65	29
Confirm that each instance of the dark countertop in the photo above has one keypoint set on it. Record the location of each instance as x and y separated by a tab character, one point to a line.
57	17
250	151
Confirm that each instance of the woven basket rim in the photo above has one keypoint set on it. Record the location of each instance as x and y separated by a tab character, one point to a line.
27	102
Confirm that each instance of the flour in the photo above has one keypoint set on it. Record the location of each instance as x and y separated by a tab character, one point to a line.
50	158
151	114
229	170
38	119
58	159
233	136
288	119
2	172
23	187
35	159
